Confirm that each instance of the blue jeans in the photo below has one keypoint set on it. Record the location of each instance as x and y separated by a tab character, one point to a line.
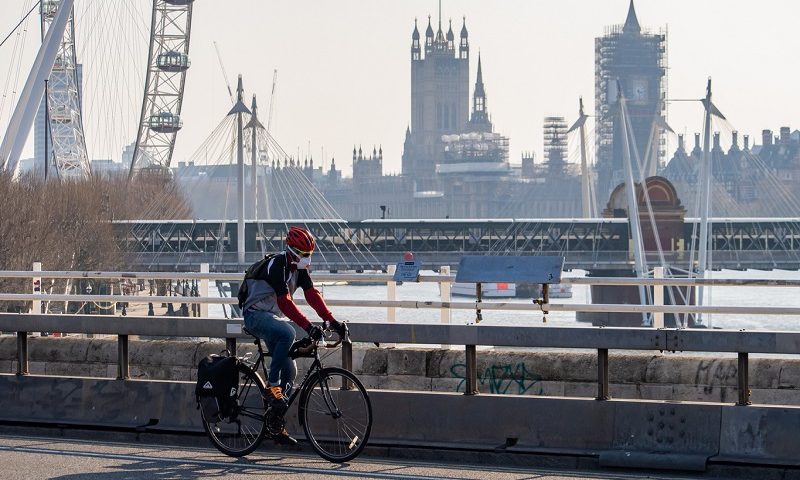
279	336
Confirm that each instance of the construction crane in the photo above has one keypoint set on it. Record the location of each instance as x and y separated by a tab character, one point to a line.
272	99
225	74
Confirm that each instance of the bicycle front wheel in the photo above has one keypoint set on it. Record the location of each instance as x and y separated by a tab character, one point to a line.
243	431
336	414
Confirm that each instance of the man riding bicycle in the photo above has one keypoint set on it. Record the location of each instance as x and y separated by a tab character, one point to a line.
269	302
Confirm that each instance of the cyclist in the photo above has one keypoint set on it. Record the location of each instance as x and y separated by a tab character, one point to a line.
269	302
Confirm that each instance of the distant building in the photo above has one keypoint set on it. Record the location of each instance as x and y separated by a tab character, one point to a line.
634	60
107	167
127	154
454	163
439	96
757	180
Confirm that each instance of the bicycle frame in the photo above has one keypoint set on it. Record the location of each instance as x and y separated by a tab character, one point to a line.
316	366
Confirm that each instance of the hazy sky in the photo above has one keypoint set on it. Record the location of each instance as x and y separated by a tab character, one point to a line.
344	66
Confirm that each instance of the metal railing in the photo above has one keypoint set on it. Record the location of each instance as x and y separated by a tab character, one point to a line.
445	304
600	339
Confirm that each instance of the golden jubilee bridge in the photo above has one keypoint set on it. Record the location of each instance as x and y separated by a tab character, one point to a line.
586	243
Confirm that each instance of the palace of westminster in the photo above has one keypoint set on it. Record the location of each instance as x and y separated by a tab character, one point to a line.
454	165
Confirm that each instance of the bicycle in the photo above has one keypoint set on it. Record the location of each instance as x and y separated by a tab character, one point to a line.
334	408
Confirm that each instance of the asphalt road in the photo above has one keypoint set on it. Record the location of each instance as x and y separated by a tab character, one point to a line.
34	457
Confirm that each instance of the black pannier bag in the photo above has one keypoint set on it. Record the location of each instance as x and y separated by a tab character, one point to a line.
217	381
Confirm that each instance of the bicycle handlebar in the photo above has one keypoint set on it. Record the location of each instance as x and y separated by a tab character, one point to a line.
342	338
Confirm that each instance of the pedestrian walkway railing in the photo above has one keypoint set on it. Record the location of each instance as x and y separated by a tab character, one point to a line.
444	279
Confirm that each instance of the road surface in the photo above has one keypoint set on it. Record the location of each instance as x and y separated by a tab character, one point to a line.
32	457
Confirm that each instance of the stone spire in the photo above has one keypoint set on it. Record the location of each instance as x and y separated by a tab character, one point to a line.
631	23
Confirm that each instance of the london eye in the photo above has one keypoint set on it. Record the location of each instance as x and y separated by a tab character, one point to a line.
115	89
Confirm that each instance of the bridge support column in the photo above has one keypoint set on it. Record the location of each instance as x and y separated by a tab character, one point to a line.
123	366
743	374
22	353
602	374
471	383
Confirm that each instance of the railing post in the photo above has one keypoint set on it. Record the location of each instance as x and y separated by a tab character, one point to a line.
478	300
444	291
347	363
36	286
22	353
602	374
743	372
123	367
471	383
204	290
230	345
658	298
391	295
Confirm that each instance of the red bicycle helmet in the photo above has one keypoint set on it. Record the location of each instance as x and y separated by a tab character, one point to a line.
300	239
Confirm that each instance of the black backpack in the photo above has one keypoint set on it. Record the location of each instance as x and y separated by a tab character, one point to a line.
217	382
253	271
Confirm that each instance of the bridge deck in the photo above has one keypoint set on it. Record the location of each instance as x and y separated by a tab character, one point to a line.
590	244
120	455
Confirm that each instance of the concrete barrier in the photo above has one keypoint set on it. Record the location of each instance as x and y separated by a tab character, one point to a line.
680	435
641	376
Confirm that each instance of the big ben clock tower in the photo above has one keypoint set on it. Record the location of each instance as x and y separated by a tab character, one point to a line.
637	60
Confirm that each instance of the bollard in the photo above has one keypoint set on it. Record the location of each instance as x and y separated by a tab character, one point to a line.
743	374
22	353
123	367
471	383
230	345
347	363
602	374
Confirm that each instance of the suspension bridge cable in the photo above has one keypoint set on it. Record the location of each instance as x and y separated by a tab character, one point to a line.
25	17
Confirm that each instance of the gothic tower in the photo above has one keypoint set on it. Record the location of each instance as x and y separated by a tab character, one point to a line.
439	95
480	116
637	60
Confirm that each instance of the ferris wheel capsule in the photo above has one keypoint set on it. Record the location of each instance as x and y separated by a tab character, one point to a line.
49	8
173	61
165	122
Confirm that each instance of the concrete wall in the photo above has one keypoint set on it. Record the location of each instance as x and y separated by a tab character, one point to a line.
648	376
675	435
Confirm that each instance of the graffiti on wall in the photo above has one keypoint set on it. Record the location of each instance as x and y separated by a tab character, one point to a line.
502	378
715	373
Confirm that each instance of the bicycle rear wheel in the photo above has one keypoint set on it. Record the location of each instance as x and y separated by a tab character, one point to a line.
244	430
336	414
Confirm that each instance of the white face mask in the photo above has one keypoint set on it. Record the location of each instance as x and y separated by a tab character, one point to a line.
304	263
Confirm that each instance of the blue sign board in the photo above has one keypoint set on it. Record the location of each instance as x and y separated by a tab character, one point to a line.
407	271
518	269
